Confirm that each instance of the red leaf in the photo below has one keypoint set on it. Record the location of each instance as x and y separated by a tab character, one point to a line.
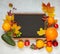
48	4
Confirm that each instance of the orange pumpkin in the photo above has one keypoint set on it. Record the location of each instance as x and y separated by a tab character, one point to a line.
51	33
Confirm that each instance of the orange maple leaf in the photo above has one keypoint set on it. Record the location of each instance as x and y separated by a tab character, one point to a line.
47	8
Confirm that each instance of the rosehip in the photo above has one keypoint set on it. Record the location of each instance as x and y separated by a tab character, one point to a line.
56	25
55	43
27	42
49	43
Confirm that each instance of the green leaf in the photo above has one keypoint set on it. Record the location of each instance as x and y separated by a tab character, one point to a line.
10	33
18	35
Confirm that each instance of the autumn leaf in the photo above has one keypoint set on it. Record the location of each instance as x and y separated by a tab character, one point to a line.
44	7
51	14
48	4
10	18
41	32
16	28
50	9
47	8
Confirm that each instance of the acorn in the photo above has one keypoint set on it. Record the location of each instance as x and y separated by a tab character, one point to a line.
33	46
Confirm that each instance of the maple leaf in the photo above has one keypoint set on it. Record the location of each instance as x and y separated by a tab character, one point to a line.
47	8
16	28
48	4
44	7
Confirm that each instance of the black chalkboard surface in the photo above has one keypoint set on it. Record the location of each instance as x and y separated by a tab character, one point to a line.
30	23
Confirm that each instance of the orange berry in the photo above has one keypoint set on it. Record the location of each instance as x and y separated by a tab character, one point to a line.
51	21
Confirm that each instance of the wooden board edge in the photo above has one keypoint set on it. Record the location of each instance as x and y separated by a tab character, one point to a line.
29	38
29	13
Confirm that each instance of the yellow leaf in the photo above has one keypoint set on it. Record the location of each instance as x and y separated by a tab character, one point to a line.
47	8
50	9
16	32
6	21
51	14
10	18
16	28
41	32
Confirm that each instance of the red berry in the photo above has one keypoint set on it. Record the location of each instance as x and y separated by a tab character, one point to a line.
56	25
49	43
27	42
55	43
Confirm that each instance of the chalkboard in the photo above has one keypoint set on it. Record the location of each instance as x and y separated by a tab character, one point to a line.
30	23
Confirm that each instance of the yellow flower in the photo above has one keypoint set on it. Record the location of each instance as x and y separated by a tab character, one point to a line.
10	18
41	32
16	28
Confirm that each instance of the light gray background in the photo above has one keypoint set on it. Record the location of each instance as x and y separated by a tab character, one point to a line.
30	6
